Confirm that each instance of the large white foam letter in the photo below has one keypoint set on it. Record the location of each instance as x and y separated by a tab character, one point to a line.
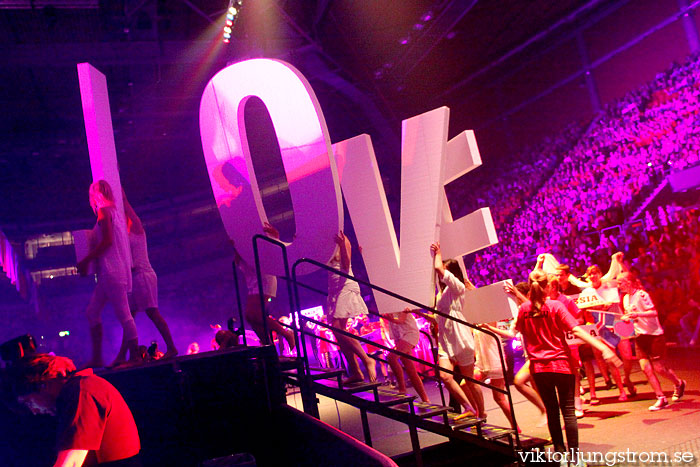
306	155
428	162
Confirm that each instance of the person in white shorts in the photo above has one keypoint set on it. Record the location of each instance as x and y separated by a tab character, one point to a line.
488	367
253	312
404	330
144	290
345	302
110	250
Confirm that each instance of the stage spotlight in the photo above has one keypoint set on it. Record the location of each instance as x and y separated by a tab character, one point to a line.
232	14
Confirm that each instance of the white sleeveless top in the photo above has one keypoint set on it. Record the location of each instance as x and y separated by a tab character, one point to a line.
139	253
114	264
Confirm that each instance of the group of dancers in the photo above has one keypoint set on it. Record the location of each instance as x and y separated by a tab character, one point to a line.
557	337
547	319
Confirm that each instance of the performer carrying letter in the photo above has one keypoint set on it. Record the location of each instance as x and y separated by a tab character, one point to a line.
110	248
404	330
345	302
144	293
455	339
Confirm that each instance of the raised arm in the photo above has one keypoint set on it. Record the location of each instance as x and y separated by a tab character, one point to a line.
501	332
271	231
437	259
345	250
511	289
617	267
71	458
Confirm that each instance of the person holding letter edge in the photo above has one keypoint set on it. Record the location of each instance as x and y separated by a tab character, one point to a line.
144	294
110	250
456	342
345	302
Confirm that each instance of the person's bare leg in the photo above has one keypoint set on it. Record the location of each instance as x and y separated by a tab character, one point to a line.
354	347
164	330
625	348
253	315
410	367
618	380
661	368
96	340
121	355
502	400
648	370
283	331
472	391
393	360
454	388
590	376
602	366
521	379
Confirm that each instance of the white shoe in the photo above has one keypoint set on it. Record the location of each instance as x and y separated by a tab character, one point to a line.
661	403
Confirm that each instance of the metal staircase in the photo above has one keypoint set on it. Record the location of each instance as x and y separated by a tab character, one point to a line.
471	431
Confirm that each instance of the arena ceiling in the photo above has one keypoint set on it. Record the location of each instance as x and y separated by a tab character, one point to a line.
372	63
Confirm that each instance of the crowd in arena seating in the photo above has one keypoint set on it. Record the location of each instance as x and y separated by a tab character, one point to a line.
579	184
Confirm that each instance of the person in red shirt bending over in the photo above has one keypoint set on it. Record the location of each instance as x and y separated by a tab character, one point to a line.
95	426
543	324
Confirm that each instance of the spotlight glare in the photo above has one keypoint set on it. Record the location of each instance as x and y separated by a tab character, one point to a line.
233	10
229	17
227	29
229	22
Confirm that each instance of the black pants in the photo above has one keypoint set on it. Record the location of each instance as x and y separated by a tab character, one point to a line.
557	393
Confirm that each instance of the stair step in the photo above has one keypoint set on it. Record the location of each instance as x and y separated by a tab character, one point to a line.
422	409
387	398
351	388
462	423
289	363
491	432
318	373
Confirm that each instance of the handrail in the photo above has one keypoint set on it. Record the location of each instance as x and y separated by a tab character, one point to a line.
411	357
292	308
238	302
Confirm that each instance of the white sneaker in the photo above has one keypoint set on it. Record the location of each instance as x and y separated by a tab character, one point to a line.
661	403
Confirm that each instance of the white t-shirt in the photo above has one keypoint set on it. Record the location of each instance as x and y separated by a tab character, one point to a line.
641	301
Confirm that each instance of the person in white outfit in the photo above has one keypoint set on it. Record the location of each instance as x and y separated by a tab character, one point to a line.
253	312
651	345
456	341
110	250
144	293
404	330
345	302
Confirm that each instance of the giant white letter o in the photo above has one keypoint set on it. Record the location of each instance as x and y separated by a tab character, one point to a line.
306	155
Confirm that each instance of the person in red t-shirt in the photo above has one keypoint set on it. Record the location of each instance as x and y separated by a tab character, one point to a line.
95	425
543	324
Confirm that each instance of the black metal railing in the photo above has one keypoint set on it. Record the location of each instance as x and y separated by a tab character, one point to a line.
415	304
